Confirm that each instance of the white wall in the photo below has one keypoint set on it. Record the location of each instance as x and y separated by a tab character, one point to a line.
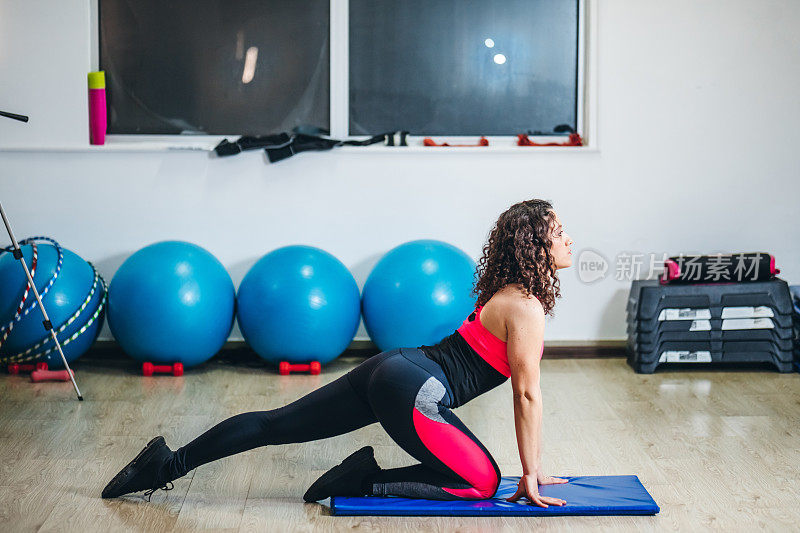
697	128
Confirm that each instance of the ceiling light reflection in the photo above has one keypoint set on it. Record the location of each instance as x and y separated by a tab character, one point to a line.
250	64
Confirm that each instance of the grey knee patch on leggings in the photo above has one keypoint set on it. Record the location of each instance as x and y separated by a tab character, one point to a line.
428	398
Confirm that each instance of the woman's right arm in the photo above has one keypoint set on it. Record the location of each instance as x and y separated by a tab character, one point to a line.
525	328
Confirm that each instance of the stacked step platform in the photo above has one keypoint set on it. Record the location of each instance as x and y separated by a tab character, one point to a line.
795	290
676	320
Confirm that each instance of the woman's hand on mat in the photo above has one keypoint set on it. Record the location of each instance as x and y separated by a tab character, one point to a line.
529	488
549	480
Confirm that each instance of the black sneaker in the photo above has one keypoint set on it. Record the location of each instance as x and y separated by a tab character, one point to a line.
143	473
345	479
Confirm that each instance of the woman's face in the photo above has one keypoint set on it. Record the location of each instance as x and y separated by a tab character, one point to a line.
562	244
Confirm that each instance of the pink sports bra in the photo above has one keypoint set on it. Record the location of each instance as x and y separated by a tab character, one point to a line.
485	343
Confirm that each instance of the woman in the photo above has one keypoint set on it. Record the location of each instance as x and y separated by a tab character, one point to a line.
410	391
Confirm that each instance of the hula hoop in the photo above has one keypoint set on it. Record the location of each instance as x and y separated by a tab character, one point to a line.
34	261
49	283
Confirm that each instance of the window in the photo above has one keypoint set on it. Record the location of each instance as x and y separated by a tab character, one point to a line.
351	67
463	67
215	66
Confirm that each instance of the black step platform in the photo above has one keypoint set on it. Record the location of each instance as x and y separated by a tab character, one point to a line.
712	323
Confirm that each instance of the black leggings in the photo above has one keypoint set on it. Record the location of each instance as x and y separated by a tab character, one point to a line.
403	390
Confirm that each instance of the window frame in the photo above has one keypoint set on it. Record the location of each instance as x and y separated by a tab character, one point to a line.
340	104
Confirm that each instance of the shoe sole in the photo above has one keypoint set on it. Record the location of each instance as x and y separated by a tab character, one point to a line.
143	455
338	472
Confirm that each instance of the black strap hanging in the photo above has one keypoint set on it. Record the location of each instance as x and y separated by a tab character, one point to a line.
282	145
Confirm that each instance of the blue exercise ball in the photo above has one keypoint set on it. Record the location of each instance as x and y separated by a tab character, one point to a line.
298	304
171	302
417	294
72	292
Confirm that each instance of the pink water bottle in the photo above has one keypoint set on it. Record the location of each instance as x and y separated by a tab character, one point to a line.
97	107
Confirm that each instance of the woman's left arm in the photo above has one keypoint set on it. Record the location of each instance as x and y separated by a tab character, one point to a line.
525	327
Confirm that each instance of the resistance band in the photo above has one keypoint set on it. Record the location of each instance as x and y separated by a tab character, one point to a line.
283	145
427	141
574	140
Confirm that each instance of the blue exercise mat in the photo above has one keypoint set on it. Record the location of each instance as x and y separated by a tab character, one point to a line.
585	495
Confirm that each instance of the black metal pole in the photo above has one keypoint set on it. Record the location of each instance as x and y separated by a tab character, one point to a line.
21	118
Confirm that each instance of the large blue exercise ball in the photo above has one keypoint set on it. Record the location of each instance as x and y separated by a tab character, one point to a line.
417	294
298	304
73	294
171	302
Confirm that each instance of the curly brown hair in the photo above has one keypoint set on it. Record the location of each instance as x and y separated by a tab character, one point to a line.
518	252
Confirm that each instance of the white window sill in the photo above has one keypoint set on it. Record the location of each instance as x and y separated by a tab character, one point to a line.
206	143
507	149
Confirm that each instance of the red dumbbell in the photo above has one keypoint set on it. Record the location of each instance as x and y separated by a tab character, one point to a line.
148	369
16	368
285	368
50	375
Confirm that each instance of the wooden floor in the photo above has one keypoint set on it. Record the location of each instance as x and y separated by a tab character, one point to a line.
717	450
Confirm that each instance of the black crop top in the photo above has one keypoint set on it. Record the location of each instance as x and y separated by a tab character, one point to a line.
467	372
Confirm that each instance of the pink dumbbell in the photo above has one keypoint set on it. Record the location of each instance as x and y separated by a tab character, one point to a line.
50	375
148	369
16	368
285	368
